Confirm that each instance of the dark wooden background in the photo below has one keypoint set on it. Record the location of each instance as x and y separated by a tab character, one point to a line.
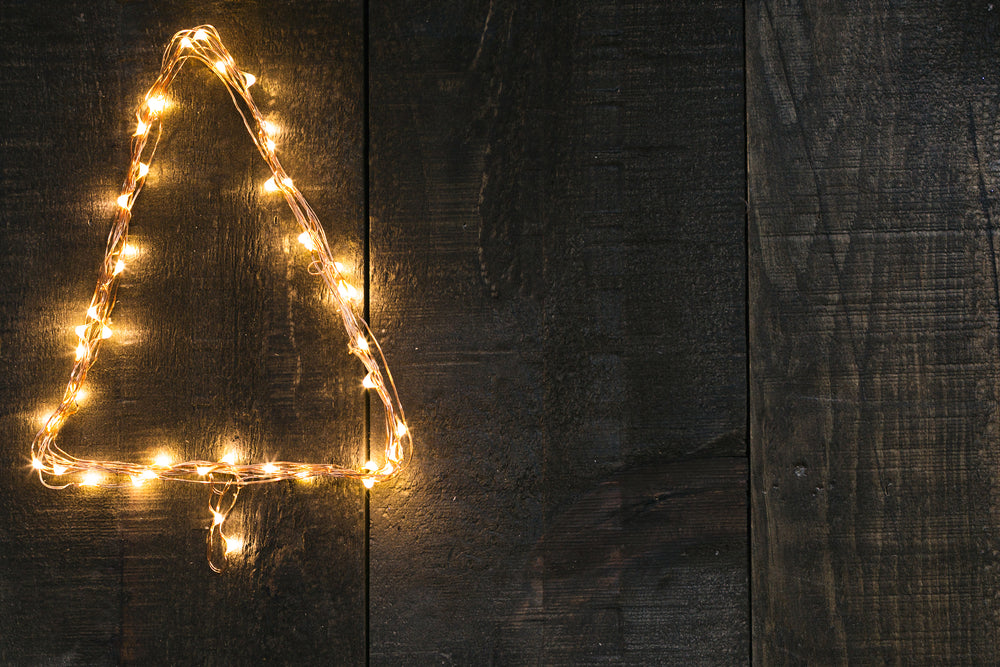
576	220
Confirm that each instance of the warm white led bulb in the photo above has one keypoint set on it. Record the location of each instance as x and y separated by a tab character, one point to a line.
81	351
361	342
348	291
58	469
143	169
92	313
401	429
229	458
203	470
37	464
270	468
249	78
140	129
371	466
268	127
270	185
306	240
186	43
124	202
156	104
217	518
200	36
369	381
106	332
91	478
220	66
119	267
81	331
270	144
163	460
81	395
369	482
233	544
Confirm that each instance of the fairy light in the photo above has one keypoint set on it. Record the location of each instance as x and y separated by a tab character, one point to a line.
91	478
226	477
233	544
157	103
307	241
348	291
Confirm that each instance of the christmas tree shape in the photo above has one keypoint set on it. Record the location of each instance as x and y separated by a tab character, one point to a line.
57	469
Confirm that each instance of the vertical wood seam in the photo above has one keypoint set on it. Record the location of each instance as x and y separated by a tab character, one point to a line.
366	251
746	332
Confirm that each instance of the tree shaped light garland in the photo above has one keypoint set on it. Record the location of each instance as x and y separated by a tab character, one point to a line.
57	469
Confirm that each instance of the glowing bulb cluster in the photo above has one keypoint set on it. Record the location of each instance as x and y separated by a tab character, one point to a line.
58	469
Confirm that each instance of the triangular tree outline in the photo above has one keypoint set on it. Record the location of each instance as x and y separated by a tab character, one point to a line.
58	469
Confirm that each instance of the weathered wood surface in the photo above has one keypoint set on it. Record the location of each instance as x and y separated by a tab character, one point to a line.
221	337
557	276
558	272
874	144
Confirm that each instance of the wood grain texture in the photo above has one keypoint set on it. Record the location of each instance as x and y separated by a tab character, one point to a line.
558	276
874	140
222	337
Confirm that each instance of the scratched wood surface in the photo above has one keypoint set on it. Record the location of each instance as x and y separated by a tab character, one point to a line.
557	272
558	276
874	145
222	338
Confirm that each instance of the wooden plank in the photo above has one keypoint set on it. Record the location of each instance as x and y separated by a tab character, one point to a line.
874	314
557	270
222	338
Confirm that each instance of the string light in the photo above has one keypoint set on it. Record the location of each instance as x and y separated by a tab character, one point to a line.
226	476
